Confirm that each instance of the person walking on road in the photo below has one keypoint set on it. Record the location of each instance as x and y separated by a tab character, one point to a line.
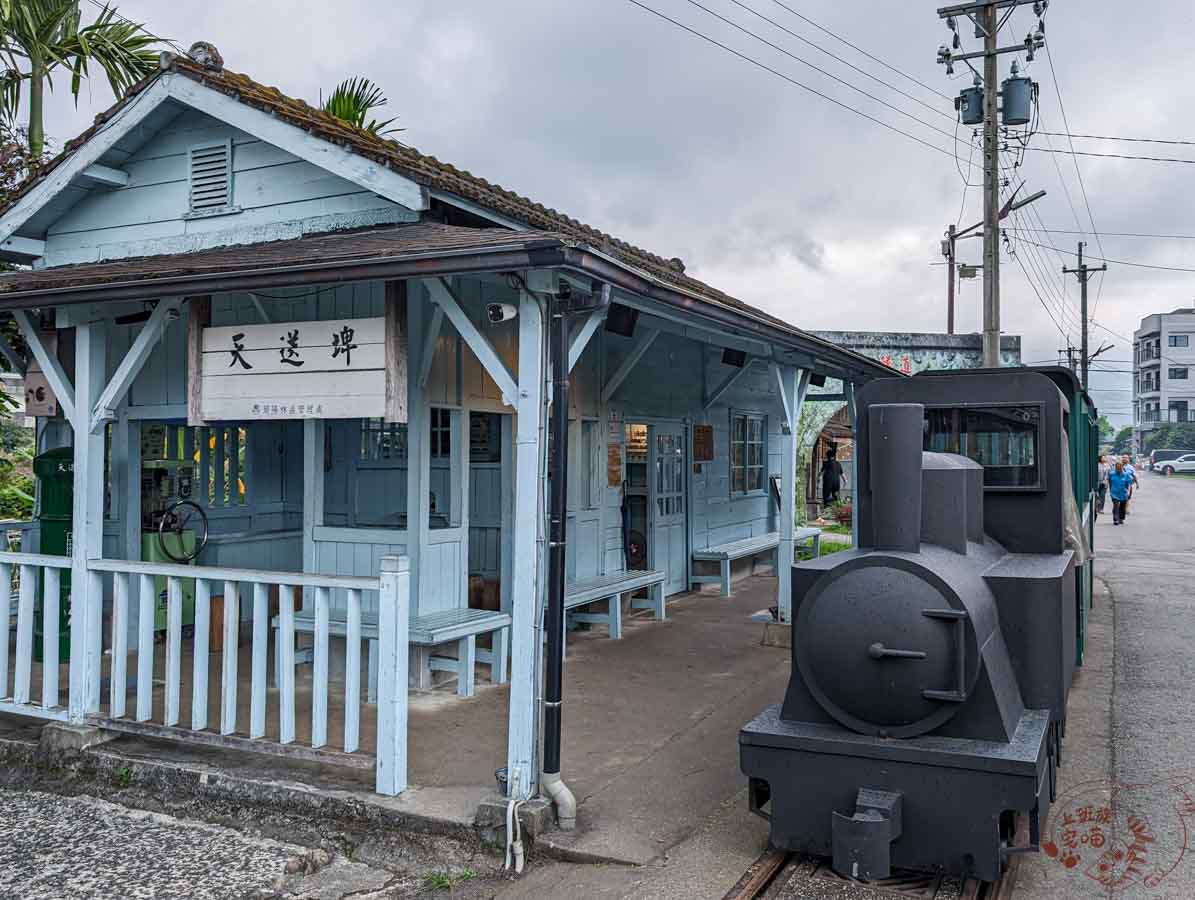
1119	484
1102	493
1132	473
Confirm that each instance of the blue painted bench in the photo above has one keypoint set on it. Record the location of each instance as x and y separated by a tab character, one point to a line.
725	554
461	626
611	588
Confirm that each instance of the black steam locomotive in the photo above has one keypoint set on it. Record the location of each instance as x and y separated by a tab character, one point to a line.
931	665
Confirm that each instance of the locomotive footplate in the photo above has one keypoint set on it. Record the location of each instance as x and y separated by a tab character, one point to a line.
957	796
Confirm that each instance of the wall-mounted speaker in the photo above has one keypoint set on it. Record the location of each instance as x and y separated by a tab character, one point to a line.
621	320
736	358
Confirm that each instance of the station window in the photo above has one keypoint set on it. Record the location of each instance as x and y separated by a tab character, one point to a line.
748	453
1003	439
1179	340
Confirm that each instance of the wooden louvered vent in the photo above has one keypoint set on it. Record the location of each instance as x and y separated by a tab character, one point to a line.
211	178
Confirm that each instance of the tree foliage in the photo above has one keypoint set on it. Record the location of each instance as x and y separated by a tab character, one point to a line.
1106	429
353	100
1171	436
1123	440
42	38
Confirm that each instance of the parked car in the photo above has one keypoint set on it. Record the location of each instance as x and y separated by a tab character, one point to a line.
1185	463
1160	456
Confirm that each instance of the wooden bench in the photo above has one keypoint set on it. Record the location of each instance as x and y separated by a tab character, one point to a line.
725	554
611	588
427	631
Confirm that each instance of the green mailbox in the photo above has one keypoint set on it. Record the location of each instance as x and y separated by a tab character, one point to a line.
55	473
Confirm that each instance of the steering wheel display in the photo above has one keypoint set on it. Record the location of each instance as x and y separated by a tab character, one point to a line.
180	517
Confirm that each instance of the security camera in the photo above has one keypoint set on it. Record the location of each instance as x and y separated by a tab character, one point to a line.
500	312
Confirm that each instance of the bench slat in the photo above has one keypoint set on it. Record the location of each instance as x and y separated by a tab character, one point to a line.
580	593
740	548
433	628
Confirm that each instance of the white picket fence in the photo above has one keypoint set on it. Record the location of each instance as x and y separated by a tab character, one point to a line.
20	576
137	583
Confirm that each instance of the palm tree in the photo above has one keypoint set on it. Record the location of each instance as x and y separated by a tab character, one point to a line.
38	37
353	100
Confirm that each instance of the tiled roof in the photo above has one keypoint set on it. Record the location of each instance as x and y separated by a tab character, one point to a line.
427	171
375	244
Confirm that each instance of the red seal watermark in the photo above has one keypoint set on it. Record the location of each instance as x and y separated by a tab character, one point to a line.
1110	833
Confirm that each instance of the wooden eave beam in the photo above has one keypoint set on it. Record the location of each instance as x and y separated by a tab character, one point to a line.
104	176
50	366
133	362
22	249
730	381
442	296
430	340
632	359
580	340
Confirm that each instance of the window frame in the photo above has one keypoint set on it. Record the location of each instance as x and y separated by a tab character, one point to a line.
1185	376
1039	444
1172	340
749	416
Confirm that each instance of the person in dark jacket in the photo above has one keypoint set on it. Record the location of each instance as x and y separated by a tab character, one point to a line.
831	477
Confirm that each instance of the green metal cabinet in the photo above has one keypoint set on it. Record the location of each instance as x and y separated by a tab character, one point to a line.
151	551
55	473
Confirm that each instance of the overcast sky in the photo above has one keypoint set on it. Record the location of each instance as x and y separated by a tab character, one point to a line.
602	110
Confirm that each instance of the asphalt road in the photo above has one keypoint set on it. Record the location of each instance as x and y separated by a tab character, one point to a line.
1124	825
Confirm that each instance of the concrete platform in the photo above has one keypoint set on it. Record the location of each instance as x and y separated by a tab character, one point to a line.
650	734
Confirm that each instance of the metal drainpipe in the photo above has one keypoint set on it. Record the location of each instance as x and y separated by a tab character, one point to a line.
554	787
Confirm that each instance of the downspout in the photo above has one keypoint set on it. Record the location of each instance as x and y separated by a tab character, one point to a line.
553	786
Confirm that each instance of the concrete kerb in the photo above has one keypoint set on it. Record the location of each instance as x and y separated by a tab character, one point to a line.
409	831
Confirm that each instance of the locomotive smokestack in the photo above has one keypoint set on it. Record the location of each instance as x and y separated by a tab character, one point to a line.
894	459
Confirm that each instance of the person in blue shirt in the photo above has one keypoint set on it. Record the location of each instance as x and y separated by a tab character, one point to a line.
1119	483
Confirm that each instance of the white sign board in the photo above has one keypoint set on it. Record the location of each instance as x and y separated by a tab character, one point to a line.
334	369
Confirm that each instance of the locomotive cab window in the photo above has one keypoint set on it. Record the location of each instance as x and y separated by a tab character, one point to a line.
1005	440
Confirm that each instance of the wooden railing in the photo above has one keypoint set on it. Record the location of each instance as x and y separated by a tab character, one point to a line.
139	584
21	574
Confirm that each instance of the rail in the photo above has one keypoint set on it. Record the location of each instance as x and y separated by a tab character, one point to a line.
137	590
21	576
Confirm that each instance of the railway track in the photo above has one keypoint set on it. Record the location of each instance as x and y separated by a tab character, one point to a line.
781	875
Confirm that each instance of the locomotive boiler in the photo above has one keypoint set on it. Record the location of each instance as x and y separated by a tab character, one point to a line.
931	664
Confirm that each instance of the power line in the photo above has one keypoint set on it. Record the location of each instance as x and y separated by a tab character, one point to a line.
819	69
858	49
790	79
1078	172
1122	234
850	65
1091	153
104	7
1040	300
1130	140
1119	262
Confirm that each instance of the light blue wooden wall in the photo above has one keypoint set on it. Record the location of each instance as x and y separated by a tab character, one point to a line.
279	196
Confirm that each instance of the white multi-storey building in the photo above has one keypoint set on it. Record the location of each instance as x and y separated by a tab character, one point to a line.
1163	371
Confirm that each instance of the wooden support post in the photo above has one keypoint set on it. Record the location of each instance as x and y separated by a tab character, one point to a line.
87	603
199	317
418	448
525	537
394	617
792	386
853	411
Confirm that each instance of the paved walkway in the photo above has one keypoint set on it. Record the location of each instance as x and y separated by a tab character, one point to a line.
1122	826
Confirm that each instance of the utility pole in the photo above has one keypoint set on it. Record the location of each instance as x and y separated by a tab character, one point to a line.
989	16
951	278
1084	272
991	195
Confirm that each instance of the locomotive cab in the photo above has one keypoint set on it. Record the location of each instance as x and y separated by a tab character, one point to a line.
931	664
